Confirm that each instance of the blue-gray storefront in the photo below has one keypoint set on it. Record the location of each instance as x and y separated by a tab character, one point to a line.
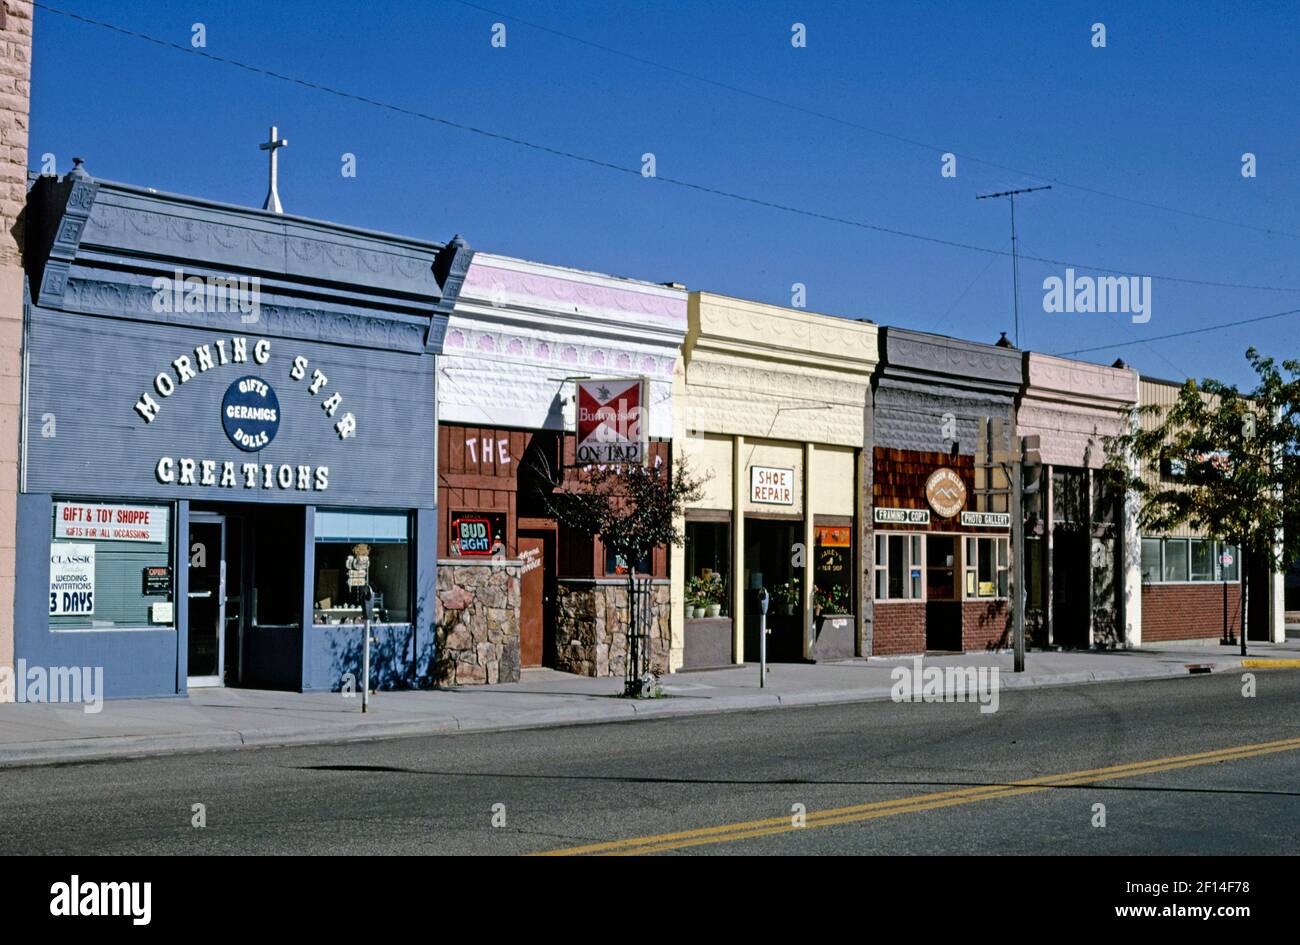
229	422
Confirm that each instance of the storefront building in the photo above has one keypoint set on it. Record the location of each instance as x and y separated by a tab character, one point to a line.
1081	545
772	410
521	336
228	426
943	422
1192	584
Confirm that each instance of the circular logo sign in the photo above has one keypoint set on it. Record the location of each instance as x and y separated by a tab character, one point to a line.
250	413
945	492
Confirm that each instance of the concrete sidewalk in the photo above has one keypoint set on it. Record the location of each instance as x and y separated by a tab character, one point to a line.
214	719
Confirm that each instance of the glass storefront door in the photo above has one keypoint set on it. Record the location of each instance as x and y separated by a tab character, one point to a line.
943	597
207	599
771	549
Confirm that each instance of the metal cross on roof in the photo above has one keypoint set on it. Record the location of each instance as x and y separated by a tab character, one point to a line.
273	194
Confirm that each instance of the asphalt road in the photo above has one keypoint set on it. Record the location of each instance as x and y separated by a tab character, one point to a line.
904	779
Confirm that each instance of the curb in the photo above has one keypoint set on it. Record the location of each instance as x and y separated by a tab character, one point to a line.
127	747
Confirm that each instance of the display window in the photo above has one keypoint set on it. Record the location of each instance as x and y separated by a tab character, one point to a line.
353	548
899	566
833	569
111	566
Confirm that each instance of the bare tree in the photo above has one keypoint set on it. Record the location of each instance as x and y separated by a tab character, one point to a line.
633	510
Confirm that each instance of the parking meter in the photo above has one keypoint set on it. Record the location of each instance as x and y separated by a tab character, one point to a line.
368	602
762	600
762	637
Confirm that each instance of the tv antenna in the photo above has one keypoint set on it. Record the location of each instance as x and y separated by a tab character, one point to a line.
1015	259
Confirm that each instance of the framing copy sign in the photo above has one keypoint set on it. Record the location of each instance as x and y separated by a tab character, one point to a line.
613	428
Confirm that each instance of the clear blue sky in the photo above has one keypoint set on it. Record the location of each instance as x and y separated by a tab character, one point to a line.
1161	115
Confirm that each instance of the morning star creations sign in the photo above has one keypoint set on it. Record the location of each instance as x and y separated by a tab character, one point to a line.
612	424
945	492
250	417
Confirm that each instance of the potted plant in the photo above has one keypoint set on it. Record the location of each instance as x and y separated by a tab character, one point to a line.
830	600
786	595
715	593
695	599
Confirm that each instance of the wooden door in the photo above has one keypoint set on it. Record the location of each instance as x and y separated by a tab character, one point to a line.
533	593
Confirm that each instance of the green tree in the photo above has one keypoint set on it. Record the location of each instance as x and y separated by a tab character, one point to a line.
1221	461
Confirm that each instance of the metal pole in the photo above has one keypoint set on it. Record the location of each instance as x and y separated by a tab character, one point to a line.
1243	572
1015	270
365	653
762	637
1018	561
1015	258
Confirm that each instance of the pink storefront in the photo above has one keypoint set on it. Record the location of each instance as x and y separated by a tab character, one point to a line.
1082	551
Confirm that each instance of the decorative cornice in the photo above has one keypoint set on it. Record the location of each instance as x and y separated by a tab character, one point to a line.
134	301
774	382
926	357
770	335
1063	379
104	245
500	290
568	353
260	246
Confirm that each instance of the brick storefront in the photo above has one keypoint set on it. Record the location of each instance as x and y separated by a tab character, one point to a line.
899	628
1189	611
985	625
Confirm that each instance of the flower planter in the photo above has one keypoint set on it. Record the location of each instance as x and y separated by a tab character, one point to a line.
834	637
713	610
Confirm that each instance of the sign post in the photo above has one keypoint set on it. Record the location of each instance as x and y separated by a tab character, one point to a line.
368	609
1018	563
1027	460
358	566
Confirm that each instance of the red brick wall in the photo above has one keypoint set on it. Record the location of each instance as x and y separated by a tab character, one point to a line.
985	625
1187	611
898	628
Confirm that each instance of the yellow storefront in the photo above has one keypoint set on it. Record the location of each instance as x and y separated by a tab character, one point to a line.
770	406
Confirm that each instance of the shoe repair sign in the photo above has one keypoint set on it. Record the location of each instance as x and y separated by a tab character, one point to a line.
612	422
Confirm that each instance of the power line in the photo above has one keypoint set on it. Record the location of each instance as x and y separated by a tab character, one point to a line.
1183	334
803	109
636	171
1155	352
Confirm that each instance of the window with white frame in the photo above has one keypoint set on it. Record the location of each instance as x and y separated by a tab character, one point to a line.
898	566
988	564
1183	560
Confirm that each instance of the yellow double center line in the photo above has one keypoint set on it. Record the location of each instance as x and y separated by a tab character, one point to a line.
727	833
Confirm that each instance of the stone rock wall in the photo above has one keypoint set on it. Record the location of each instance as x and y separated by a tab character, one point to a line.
591	627
477	623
